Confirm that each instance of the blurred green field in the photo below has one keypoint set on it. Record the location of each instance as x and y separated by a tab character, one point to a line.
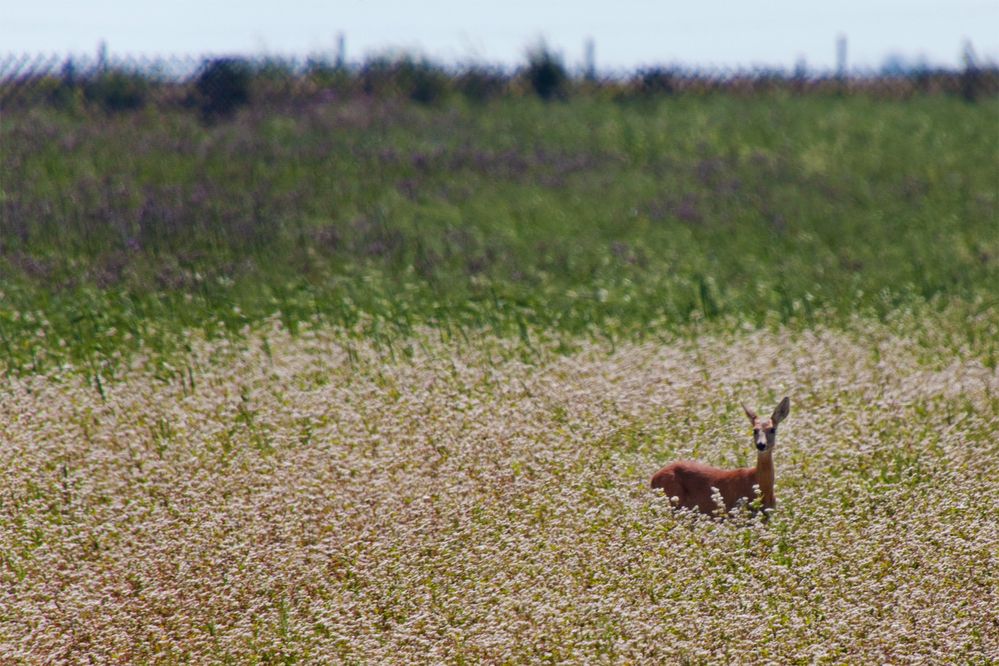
593	217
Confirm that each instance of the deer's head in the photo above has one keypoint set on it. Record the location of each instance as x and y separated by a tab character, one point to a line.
765	430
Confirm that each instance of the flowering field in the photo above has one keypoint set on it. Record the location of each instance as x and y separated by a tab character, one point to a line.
315	499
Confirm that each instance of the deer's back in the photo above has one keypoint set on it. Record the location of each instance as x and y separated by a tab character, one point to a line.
692	482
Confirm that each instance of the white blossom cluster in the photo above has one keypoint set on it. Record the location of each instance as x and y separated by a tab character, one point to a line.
315	499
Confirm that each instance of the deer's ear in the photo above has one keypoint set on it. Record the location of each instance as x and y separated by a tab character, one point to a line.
782	411
750	413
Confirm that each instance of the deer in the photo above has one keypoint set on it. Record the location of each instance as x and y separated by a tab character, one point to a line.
692	485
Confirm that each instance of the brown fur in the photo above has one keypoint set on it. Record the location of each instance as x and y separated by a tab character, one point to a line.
692	483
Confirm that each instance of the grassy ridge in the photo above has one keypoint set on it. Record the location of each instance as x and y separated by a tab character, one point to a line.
617	218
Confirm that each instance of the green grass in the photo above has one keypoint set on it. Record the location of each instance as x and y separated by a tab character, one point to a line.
590	217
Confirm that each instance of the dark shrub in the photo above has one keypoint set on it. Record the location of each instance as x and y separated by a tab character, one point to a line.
656	81
971	77
330	77
921	77
377	77
546	74
481	84
419	80
427	83
117	91
67	93
222	87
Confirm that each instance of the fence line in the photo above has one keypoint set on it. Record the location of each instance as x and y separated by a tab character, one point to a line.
121	83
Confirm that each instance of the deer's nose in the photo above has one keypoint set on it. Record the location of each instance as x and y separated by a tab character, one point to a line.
761	446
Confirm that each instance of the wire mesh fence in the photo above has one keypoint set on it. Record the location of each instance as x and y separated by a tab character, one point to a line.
219	85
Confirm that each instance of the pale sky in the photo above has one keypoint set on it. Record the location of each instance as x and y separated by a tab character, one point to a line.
627	33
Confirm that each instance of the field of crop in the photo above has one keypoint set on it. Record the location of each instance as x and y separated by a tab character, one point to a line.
592	218
308	498
376	382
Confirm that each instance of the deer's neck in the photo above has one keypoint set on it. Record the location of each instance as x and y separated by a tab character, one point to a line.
765	477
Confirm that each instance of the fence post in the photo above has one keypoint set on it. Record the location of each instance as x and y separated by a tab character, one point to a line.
341	50
841	62
590	60
970	76
102	57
